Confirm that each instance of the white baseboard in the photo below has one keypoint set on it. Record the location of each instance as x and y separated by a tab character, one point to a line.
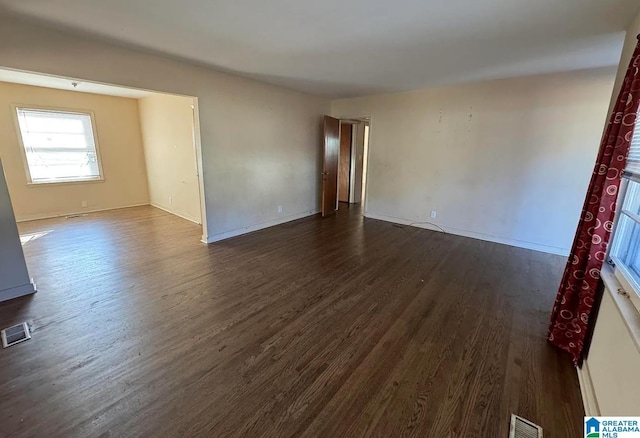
183	216
591	408
18	291
474	235
228	234
56	215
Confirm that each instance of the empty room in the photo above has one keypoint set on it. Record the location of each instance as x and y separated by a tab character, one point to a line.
79	148
241	219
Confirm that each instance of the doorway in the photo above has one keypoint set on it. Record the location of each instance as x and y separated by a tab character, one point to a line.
352	169
169	139
81	147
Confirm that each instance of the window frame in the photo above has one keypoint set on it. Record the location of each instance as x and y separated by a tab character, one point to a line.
621	271
23	152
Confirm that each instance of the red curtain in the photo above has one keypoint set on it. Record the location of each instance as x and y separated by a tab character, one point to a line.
572	313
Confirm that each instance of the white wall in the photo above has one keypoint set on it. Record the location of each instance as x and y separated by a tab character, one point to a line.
507	161
260	143
610	377
167	128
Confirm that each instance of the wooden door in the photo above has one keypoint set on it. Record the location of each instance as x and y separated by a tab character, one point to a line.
344	175
330	166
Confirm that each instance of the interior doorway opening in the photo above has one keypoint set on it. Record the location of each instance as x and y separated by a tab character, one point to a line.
353	161
82	147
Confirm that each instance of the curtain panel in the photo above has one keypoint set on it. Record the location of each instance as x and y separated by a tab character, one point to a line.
572	315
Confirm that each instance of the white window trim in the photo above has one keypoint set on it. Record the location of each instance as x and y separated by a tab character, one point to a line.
623	302
30	183
629	286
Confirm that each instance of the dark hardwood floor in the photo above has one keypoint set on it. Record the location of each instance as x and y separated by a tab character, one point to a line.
319	328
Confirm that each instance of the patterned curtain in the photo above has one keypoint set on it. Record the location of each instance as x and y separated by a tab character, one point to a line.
572	313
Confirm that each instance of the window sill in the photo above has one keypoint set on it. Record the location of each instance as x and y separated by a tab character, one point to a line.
626	308
59	183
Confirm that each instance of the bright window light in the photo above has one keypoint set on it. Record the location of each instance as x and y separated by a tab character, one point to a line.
625	246
59	146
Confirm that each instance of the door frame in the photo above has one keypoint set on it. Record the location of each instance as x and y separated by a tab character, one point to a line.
352	124
352	162
367	118
197	146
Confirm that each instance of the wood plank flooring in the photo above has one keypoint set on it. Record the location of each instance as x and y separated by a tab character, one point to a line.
336	327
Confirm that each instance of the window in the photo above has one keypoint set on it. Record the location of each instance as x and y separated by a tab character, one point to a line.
625	248
59	146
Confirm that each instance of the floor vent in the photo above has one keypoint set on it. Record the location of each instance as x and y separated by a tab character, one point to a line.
15	334
521	428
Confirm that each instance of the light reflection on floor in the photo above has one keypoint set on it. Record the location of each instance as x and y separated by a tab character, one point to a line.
30	237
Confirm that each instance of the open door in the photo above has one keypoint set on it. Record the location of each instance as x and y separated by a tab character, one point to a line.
330	166
344	168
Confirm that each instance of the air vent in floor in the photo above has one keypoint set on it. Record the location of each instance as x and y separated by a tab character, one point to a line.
521	428
15	334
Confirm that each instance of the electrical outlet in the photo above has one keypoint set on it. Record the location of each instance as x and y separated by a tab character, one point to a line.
433	214
279	208
170	200
84	203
